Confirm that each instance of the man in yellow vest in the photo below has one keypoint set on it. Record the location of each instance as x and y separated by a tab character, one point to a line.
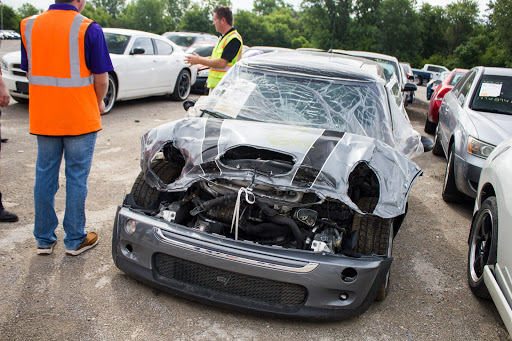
227	51
67	63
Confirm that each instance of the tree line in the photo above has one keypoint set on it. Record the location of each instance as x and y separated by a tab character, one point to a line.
456	35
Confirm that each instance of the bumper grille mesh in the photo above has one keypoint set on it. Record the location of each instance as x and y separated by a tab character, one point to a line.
236	285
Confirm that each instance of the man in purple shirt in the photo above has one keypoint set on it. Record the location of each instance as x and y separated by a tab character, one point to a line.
75	144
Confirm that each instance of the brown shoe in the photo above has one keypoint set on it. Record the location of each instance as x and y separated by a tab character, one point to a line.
89	242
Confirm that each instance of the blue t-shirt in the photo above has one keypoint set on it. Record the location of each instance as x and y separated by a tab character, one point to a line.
97	57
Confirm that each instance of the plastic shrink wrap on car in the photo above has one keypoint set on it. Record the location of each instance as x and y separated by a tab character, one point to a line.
259	92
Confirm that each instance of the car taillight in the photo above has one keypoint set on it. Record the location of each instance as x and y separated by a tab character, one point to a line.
441	94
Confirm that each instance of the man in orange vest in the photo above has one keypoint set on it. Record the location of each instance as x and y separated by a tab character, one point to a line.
67	63
5	216
227	51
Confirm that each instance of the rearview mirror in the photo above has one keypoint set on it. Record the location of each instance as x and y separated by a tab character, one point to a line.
410	87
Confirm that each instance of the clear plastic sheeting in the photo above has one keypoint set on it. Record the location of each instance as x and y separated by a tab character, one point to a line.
304	160
312	91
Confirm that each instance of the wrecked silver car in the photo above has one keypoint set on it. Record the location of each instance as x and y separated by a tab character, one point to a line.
279	193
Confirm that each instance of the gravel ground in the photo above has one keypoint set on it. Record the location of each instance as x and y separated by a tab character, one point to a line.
87	298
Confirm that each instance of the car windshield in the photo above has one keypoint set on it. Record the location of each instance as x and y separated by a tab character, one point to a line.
347	105
456	77
116	43
493	94
204	50
180	40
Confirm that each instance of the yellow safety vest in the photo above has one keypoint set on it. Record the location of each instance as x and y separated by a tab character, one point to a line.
215	75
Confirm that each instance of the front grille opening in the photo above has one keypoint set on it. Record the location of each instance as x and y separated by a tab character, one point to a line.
239	287
263	160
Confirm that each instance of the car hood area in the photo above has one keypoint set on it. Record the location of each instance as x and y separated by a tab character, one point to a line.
327	164
491	127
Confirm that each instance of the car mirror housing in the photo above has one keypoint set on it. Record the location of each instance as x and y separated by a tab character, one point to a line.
138	50
427	142
410	87
189	103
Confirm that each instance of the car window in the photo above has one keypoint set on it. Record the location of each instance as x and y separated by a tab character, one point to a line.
145	43
465	88
456	77
493	94
204	50
116	43
181	40
435	68
162	47
458	85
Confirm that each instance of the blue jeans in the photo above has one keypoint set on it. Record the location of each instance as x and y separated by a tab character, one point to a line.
78	151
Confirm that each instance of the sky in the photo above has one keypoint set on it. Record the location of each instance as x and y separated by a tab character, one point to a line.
237	4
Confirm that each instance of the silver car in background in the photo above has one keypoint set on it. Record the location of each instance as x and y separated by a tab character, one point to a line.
474	117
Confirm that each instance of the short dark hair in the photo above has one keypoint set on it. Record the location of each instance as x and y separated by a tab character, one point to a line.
63	1
224	12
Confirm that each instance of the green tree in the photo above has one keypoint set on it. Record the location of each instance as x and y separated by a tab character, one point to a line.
265	7
27	10
112	7
502	20
433	25
462	18
99	15
10	19
176	9
145	15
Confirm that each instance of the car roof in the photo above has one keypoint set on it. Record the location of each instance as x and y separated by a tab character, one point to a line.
497	71
367	54
126	31
185	33
325	66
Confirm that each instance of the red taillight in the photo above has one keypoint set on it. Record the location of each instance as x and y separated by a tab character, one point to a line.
441	93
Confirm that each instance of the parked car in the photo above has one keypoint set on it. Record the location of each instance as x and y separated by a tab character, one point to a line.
428	72
474	117
186	39
434	82
279	193
437	98
489	253
145	64
392	72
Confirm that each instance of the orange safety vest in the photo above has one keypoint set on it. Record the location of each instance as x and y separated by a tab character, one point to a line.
61	87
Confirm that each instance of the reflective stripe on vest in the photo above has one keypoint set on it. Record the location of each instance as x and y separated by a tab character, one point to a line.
74	59
215	75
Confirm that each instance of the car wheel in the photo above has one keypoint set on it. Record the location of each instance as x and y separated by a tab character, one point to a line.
20	100
375	236
418	80
438	148
482	246
430	127
182	87
143	194
450	191
111	95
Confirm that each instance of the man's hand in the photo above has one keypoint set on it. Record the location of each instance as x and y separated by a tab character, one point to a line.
193	59
4	95
101	106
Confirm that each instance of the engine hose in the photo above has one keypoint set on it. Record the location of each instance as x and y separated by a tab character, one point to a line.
328	223
267	210
282	220
204	206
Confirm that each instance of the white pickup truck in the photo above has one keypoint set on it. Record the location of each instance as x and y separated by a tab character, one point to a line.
427	72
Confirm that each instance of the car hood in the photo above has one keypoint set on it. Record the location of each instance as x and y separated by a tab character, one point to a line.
491	127
315	160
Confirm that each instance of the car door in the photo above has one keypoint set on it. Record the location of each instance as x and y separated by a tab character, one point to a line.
139	69
169	60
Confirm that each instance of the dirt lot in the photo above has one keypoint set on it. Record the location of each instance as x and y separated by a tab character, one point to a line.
60	297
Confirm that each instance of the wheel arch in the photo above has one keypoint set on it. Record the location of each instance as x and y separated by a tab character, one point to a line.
116	80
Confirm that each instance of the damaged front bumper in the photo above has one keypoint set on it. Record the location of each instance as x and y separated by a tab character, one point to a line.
244	275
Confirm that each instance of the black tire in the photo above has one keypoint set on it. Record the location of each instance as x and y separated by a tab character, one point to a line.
438	148
111	95
375	236
483	246
418	80
430	127
143	194
182	87
20	100
450	191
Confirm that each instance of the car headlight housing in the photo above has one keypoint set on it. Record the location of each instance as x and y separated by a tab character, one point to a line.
203	73
479	148
5	66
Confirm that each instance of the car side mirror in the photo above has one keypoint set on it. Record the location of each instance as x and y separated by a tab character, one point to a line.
189	103
410	87
138	50
427	142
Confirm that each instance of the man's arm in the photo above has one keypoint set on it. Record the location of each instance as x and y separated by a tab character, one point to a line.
4	94
101	87
217	63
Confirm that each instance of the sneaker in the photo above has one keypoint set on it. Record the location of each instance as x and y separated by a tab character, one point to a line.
89	242
45	250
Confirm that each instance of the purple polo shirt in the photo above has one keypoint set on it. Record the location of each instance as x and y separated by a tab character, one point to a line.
97	58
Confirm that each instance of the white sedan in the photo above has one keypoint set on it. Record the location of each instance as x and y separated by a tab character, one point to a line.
490	254
145	64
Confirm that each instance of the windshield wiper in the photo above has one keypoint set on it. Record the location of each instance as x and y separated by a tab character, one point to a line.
215	114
